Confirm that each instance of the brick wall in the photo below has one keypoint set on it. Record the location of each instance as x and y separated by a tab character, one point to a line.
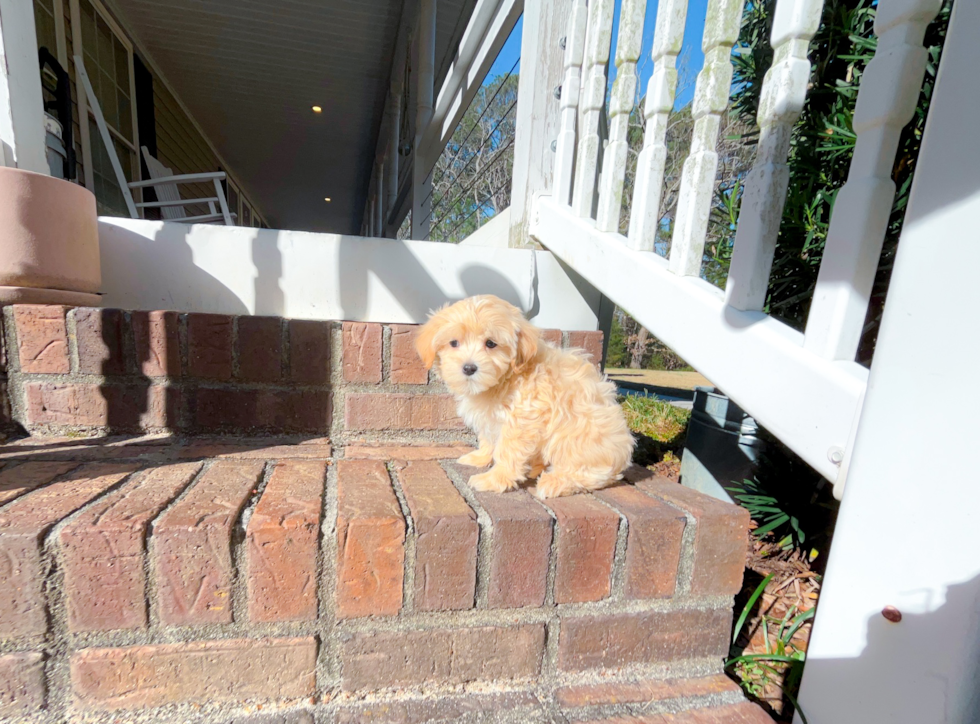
313	580
108	370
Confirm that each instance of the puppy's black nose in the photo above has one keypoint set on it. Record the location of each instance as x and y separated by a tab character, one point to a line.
469	369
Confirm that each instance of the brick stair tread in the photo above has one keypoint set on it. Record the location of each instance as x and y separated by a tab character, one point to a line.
160	536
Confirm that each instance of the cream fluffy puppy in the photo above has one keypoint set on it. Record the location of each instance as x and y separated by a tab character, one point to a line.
538	412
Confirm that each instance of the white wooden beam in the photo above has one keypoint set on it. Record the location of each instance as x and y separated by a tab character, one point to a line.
22	143
908	530
807	402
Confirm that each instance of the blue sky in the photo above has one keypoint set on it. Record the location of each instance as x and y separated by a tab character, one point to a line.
689	63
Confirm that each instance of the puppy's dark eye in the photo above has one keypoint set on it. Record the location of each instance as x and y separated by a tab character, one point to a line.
491	344
454	343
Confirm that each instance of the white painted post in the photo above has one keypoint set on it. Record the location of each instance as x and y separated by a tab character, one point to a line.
570	94
889	90
711	93
661	89
628	48
425	78
593	100
538	113
219	191
908	531
22	142
783	94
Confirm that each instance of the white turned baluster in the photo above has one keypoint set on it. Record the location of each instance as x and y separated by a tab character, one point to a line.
614	159
783	94
570	87
710	101
661	88
887	97
593	98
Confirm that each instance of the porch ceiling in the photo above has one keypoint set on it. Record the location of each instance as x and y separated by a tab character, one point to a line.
249	72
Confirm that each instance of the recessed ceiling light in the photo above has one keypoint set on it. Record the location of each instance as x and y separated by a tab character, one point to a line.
317	109
327	199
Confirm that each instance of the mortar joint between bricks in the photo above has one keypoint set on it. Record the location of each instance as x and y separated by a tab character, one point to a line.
132	365
285	349
71	330
386	354
484	545
328	653
549	659
336	377
685	567
408	585
239	547
235	362
185	417
617	583
549	590
154	625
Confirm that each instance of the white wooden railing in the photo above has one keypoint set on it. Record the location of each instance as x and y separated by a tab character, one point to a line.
805	388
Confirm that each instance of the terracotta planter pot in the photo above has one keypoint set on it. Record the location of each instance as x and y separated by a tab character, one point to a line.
49	241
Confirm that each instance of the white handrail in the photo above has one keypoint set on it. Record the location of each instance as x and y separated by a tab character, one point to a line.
807	402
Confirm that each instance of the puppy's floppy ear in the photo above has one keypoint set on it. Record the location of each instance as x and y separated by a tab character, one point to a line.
527	343
425	339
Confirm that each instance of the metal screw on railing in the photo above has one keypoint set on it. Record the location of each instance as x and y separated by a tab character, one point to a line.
561	43
835	455
558	92
554	145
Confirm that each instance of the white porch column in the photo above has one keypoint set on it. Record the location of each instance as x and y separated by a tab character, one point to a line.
421	166
538	116
21	104
908	534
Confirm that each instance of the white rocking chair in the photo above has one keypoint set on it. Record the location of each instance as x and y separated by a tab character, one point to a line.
162	180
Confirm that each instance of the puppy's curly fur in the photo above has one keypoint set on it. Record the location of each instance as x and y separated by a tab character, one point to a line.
539	412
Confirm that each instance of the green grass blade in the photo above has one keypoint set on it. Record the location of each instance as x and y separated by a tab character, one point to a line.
748	606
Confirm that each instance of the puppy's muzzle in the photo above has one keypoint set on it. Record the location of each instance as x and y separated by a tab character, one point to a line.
469	369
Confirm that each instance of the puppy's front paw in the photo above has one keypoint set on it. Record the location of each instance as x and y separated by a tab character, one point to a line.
489	482
553	486
476	459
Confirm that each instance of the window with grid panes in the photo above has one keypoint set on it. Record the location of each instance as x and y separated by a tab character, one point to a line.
107	60
47	36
